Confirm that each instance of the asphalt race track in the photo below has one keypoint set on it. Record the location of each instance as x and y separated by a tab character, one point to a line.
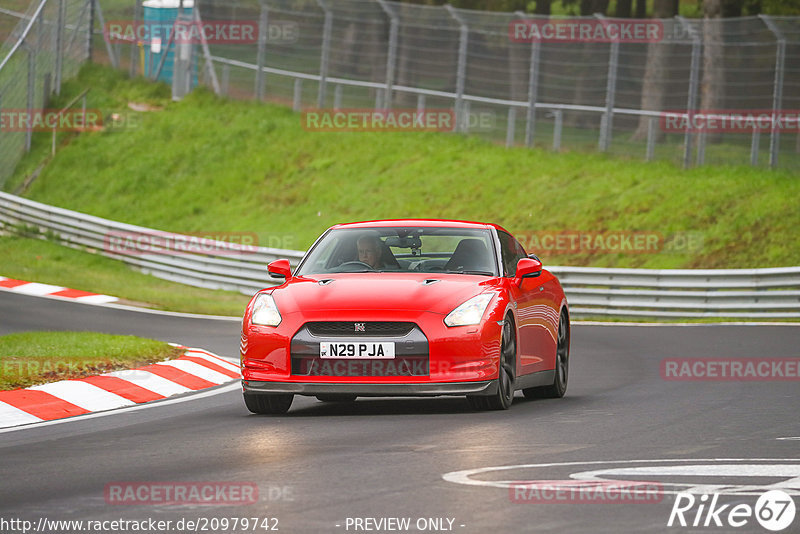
333	468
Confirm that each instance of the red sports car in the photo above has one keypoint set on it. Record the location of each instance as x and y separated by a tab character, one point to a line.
407	308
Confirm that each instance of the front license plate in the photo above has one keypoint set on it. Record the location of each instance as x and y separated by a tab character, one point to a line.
357	350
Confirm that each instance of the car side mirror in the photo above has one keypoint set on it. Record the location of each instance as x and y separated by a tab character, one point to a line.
528	268
280	269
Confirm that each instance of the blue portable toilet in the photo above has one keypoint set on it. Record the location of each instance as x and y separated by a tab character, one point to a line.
159	18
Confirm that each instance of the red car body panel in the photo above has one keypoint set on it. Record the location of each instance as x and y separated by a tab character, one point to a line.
460	354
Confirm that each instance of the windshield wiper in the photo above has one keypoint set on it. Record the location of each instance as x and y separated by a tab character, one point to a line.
484	273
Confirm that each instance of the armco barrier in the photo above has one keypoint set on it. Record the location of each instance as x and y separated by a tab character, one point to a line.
665	293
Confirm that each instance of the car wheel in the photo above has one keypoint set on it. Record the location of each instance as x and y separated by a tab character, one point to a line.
504	396
275	404
559	386
336	397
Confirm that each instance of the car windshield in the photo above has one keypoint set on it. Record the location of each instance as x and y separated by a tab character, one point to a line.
403	249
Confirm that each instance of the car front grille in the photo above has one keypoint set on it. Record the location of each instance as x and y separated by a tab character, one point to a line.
353	328
411	349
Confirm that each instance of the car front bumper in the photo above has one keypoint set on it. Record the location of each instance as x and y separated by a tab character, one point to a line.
430	389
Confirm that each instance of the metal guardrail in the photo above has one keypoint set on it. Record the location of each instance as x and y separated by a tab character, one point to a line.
665	293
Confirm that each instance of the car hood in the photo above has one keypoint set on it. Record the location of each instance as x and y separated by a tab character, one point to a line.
434	292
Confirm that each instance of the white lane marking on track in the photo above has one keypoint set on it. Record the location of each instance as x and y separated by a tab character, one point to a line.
137	407
789	438
788	471
150	381
87	396
198	370
12	416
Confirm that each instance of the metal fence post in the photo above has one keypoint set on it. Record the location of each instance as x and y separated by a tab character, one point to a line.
651	138
533	89
391	56
611	89
511	127
337	96
463	41
89	33
59	43
263	28
226	77
297	102
137	14
755	141
777	90
557	127
326	51
31	91
694	75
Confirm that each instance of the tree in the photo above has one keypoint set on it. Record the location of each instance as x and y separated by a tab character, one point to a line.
653	85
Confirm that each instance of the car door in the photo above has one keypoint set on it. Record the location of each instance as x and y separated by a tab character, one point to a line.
536	324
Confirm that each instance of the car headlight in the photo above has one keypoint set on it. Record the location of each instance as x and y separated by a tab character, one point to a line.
265	312
469	312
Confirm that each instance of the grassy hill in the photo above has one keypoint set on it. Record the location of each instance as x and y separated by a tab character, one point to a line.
207	164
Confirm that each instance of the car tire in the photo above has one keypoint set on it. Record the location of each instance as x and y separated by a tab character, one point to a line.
272	404
558	388
504	396
336	397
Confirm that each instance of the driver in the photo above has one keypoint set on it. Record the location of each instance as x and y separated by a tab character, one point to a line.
370	250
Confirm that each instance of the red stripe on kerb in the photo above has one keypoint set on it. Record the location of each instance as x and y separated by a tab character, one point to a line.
212	366
41	404
179	377
123	388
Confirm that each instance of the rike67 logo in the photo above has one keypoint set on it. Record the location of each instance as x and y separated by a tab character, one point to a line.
774	510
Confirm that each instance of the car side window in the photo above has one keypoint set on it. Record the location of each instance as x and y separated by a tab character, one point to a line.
511	252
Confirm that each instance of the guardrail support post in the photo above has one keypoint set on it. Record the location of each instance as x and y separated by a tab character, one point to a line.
326	52
606	130
463	41
420	103
777	90
263	28
391	56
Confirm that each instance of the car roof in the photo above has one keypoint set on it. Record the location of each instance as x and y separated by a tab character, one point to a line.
436	223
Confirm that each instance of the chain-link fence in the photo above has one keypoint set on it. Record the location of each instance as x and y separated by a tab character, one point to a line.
693	92
48	43
615	95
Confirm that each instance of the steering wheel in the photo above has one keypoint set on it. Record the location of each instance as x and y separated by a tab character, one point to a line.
355	263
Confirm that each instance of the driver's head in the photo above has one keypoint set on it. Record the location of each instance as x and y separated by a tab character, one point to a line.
369	250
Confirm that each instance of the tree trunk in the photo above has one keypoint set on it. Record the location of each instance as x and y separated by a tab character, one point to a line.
653	85
542	7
